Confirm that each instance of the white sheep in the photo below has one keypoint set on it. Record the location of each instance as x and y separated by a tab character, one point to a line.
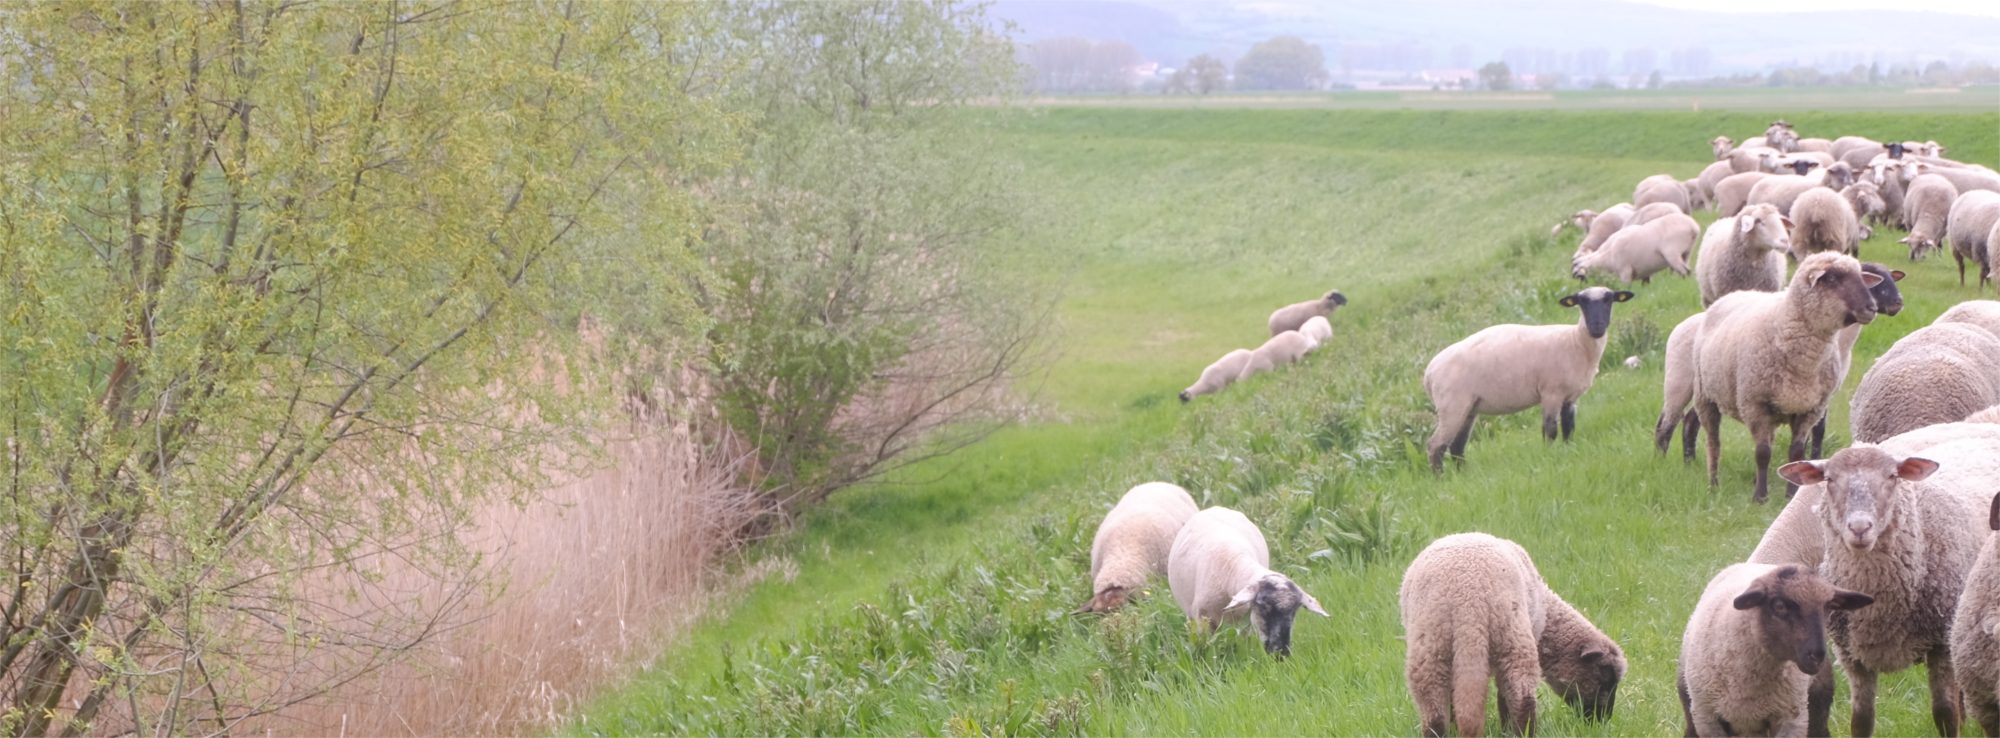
1782	191
1982	313
1926	204
1768	358
1663	188
1710	176
1505	369
1752	158
1220	570
1936	374
1133	542
1721	146
1218	375
1905	530
1865	197
1640	251
1744	252
1290	317
1965	178
1318	329
1973	215
1823	221
1752	646
1476	611
1733	192
1600	226
1280	350
1975	631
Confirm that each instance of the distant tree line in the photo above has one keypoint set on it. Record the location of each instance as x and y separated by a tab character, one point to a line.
1071	64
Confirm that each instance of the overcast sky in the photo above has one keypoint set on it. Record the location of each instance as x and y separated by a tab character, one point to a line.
1967	7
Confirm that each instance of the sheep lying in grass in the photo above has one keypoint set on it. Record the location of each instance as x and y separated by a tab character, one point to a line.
1975	631
1973	215
1936	374
1132	543
1926	203
1906	530
1637	252
1218	375
1220	570
1476	611
1280	350
1509	368
1291	317
1745	252
1752	646
1768	358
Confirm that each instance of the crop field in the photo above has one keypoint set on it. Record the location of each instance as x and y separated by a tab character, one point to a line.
1788	100
939	601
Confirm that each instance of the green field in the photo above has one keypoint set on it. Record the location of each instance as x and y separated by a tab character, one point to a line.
938	601
1784	100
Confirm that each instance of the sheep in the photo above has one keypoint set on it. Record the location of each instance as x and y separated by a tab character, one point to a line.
1721	146
1982	313
1733	192
1965	179
1767	358
1990	415
1698	198
1782	137
1290	317
1783	191
1975	631
1823	221
1972	215
1888	301
1857	151
1317	328
1745	252
1218	375
1508	368
1752	646
1638	252
1711	176
1661	188
1220	570
1751	158
1133	541
1581	219
1906	530
1280	350
1865	199
1936	374
1819	145
1926	204
1473	604
1602	226
1652	212
1889	182
1817	159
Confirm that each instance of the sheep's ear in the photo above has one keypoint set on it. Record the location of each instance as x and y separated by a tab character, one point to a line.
1803	473
1621	295
1785	220
1915	469
1871	279
1846	600
1750	600
1312	604
1242	598
1896	274
1568	301
1594	654
1746	225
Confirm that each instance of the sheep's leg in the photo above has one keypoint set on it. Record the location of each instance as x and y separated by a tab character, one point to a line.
1429	676
1987	709
1819	702
1516	674
1568	419
1678	262
1818	438
1961	266
1861	692
1762	431
1798	450
1690	434
1551	419
1464	435
1945	710
1687	704
1448	426
1711	416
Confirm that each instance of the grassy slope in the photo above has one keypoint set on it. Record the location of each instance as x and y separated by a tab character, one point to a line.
939	606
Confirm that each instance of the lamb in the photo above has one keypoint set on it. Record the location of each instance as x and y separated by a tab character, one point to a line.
1318	329
1975	631
1472	603
1638	252
1767	358
1602	225
1280	350
1711	176
1745	252
1823	221
1661	188
1220	570
1291	317
1909	529
1865	198
1133	542
1972	215
1936	374
1733	192
1218	375
1926	204
1753	625
1504	369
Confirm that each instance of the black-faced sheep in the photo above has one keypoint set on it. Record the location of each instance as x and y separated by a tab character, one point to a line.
1220	570
1752	646
1133	542
1291	317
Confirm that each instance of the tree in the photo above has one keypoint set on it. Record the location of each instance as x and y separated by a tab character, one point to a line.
1282	63
282	289
1496	76
1653	80
1209	73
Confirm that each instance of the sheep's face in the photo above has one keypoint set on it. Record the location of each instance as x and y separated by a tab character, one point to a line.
1273	601
1919	245
1107	599
1333	300
1765	227
1791	604
1839	176
1863	487
1801	166
1588	680
1722	145
1596	305
1896	150
1841	279
1888	297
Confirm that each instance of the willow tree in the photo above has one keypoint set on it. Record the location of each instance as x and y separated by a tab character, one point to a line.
277	280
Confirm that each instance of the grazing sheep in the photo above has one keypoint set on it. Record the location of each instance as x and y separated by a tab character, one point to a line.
1768	358
1710	176
1133	542
1783	191
1865	198
1906	530
1936	374
1752	646
1505	369
1220	570
1476	611
1926	204
1698	198
1966	179
1973	215
1752	158
1317	328
1745	252
1820	145
1975	631
1823	221
1580	219
1602	226
1290	317
1218	375
1640	251
1733	192
1280	350
1661	188
1652	212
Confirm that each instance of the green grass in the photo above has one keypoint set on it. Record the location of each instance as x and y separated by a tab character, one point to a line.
1974	99
938	601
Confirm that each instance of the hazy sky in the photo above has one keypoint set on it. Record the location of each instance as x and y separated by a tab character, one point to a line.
1967	7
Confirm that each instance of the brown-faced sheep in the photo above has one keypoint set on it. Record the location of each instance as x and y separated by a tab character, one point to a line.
1475	611
1745	252
1752	646
1290	317
1220	571
1509	368
1132	543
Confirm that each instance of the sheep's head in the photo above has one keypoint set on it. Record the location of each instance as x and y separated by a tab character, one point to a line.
1838	278
1185	396
1866	197
1587	675
1764	226
1919	245
1888	297
1840	175
1334	299
1864	484
1896	149
1273	601
1791	603
1110	598
1596	305
1801	166
1722	145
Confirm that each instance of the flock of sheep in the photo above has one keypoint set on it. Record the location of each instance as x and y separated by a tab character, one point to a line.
1886	547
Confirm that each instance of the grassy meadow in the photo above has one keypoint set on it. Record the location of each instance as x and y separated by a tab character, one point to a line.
938	601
